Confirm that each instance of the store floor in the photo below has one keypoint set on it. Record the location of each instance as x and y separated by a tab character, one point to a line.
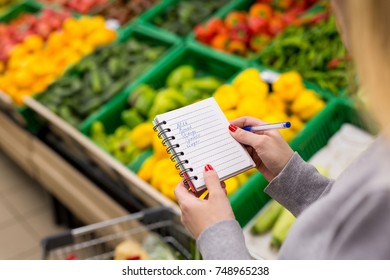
25	213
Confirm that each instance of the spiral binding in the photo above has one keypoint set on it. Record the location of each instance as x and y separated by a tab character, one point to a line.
164	142
177	165
162	133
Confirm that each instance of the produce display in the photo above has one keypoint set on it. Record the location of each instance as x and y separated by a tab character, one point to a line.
247	32
183	16
68	58
316	52
16	31
289	100
34	64
98	77
121	10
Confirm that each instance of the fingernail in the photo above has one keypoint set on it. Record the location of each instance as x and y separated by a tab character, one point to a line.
208	167
232	127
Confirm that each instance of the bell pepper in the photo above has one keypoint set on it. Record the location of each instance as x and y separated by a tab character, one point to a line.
307	105
240	33
179	75
288	85
258	25
146	170
246	75
203	34
227	97
261	10
237	47
235	18
255	89
215	26
250	106
142	99
276	25
131	117
142	135
220	42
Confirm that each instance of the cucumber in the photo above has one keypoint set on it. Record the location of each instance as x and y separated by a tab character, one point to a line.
267	218
281	228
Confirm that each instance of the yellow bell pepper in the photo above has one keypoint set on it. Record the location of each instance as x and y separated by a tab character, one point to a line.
288	85
307	105
255	89
250	74
276	103
275	117
252	107
296	123
227	97
142	135
146	170
231	114
161	171
159	149
168	186
288	134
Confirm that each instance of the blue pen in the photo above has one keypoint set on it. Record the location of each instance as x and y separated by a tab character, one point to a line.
268	126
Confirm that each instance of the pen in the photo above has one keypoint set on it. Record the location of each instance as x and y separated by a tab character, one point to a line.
268	126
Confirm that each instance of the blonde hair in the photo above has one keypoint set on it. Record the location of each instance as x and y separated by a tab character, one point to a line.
368	27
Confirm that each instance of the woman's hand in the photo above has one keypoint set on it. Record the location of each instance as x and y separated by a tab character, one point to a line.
268	149
198	214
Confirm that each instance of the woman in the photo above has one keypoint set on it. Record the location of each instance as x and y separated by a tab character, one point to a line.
344	219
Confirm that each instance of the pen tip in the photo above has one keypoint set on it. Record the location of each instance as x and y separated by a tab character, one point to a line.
288	124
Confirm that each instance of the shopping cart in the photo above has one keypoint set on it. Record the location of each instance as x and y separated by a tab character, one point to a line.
98	241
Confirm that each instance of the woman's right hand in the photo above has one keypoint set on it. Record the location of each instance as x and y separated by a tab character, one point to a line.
268	149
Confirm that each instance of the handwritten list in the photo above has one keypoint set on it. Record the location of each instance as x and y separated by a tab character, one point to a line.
199	134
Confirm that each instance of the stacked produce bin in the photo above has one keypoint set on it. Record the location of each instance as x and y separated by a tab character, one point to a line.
156	56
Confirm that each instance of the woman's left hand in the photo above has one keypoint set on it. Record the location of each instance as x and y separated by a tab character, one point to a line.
198	214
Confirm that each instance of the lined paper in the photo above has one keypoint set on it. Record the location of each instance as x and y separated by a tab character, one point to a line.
201	131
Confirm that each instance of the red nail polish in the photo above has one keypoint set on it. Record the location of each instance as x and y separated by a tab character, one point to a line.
208	167
232	128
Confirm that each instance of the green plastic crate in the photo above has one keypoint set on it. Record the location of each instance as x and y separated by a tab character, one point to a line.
147	17
250	198
205	63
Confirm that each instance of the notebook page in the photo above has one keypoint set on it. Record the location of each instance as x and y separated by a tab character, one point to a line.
201	130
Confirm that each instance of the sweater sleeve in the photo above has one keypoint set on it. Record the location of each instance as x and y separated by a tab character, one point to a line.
298	185
223	241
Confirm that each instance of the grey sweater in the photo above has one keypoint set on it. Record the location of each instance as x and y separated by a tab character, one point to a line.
344	219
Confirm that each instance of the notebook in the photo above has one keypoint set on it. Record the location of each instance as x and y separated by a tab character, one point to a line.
197	135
